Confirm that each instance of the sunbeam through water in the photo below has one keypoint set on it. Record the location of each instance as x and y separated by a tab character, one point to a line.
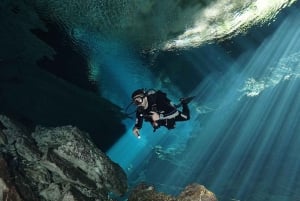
77	62
243	149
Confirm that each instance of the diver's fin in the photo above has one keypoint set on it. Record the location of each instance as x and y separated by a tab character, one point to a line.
185	100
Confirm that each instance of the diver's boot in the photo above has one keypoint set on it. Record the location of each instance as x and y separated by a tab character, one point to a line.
186	100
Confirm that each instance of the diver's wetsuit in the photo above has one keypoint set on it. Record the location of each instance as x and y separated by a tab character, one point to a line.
159	103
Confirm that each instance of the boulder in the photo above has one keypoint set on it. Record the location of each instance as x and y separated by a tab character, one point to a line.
58	163
193	192
196	192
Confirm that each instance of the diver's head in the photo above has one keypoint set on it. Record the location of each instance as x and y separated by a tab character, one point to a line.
139	98
138	92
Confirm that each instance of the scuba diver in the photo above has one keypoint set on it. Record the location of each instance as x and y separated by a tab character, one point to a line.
156	108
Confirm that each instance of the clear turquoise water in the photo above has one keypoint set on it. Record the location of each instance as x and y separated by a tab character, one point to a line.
243	140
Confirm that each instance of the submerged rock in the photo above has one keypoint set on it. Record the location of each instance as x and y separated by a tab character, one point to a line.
145	192
196	192
193	192
59	163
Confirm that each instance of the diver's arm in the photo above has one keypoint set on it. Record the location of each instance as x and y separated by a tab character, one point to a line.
138	124
136	132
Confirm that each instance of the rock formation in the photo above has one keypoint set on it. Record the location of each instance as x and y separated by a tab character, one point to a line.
51	164
193	192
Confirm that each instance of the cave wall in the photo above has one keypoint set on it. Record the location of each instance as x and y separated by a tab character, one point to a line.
33	93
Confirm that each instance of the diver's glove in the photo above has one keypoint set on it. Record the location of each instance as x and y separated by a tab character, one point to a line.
155	126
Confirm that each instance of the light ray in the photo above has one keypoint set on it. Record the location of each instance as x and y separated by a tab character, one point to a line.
246	147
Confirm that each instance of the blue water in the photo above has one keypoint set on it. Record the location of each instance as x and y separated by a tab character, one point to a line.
243	137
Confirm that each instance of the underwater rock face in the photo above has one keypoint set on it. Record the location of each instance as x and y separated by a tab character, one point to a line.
147	192
193	192
58	163
7	189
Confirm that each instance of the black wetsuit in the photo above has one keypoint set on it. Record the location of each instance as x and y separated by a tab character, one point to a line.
159	103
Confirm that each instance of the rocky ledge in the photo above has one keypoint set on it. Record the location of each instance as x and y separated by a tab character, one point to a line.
52	164
193	192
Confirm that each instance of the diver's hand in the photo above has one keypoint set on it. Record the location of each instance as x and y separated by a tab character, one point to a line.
155	124
136	132
154	116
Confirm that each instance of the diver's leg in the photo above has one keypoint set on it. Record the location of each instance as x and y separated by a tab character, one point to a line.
186	111
184	115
